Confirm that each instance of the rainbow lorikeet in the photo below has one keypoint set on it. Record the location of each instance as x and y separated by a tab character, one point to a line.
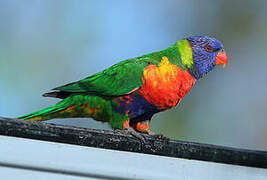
129	93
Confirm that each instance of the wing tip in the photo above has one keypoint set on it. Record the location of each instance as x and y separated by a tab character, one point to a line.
58	94
50	94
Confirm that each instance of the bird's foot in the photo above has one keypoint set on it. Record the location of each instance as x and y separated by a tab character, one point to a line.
143	128
126	129
141	137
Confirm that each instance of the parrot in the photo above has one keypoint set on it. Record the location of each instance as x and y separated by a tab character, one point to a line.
127	94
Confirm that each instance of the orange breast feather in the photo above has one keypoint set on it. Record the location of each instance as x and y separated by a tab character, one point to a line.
166	85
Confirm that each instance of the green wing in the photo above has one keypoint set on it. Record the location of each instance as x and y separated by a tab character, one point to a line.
117	80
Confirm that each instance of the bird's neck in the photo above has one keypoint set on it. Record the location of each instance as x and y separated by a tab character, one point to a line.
180	54
186	53
174	56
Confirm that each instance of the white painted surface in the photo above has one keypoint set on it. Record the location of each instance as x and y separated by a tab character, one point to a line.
31	159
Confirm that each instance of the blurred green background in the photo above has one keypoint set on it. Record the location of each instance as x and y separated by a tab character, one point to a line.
45	44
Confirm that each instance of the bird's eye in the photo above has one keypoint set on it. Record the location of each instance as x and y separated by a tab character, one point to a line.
208	48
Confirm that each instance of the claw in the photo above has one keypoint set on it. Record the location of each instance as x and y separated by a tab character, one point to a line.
141	137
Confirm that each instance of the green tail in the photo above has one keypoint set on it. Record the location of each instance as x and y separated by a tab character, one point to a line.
52	112
81	105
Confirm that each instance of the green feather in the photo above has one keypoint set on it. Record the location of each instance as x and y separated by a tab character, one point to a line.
92	96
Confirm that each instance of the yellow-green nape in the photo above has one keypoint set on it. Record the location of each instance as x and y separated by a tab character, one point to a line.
186	52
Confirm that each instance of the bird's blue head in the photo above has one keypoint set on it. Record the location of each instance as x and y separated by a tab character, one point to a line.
207	52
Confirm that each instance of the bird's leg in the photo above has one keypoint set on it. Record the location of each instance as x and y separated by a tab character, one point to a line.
135	134
143	127
126	128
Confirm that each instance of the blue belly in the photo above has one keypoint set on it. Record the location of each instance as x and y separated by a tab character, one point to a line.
133	105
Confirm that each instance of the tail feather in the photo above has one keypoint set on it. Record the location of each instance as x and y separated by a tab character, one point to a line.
43	114
77	105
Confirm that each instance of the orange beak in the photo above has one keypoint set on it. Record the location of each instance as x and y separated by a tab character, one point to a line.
221	58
